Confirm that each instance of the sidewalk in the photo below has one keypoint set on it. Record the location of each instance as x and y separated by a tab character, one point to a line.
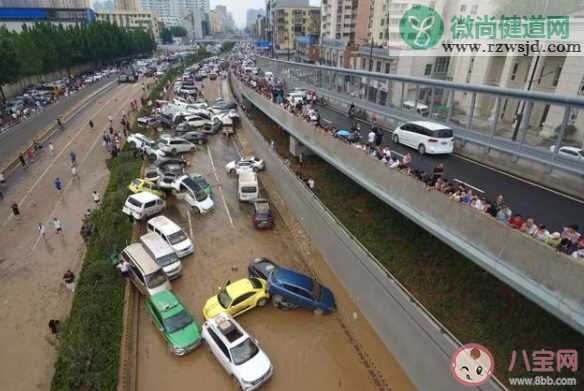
32	267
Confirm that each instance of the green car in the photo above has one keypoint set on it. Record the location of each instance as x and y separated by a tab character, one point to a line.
174	321
203	184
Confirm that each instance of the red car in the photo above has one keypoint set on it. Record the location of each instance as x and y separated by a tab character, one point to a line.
262	215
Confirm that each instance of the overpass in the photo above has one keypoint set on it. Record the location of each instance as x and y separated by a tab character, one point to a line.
535	270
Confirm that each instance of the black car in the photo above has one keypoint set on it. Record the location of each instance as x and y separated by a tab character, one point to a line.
261	268
196	137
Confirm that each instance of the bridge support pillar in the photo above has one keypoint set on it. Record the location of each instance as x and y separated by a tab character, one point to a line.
299	150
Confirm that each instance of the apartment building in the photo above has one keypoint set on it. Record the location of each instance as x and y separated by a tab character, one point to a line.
126	5
293	22
344	26
132	20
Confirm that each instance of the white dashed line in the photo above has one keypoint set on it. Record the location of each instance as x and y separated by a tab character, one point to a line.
468	185
220	188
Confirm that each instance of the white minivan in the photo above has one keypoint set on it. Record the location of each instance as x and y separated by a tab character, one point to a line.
146	275
247	186
142	205
172	234
185	188
163	254
426	137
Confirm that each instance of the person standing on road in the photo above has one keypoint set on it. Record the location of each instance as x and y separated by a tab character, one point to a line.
96	197
54	326
22	160
91	125
58	226
310	183
74	174
41	229
110	120
69	279
73	157
58	184
15	210
51	149
371	139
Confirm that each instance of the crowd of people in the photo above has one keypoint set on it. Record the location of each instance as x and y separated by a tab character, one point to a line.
568	241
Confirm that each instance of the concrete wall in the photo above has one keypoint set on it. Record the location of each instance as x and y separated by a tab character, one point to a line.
537	271
14	89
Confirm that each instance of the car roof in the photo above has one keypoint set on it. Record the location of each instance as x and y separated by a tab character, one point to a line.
262	206
293	278
165	301
238	286
228	329
430	125
574	149
166	225
144	197
146	264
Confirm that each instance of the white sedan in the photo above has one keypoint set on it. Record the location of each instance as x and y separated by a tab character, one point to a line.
570	152
244	164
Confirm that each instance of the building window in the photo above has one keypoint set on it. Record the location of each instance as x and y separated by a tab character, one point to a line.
428	70
378	67
463	8
387	67
363	62
441	65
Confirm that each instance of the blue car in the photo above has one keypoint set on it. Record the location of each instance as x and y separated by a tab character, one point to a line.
290	289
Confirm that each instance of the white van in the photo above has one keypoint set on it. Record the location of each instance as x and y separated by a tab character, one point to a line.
146	275
185	188
163	254
142	205
172	234
247	186
426	137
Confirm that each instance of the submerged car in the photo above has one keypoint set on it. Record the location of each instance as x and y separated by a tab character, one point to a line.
290	289
261	268
237	297
174	321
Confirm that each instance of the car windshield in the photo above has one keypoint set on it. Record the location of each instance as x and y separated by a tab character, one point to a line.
244	352
155	279
136	182
178	321
201	196
134	202
167	259
224	298
315	289
177	237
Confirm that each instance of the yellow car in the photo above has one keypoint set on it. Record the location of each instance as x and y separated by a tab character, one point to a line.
139	185
237	297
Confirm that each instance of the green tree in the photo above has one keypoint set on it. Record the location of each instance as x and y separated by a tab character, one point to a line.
178	31
9	64
166	36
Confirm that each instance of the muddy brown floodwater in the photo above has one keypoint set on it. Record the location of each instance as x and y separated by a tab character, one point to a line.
308	352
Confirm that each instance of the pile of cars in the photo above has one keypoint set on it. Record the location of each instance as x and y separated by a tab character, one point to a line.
157	259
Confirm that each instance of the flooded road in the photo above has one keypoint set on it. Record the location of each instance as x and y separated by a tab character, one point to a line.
308	352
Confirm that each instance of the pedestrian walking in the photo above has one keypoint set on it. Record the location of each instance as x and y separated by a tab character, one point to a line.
15	210
51	149
74	174
96	197
110	119
58	226
54	326
22	160
73	157
310	183
69	279
41	229
91	125
58	184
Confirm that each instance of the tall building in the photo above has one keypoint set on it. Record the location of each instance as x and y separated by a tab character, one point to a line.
127	5
251	16
202	4
293	22
45	3
344	26
104	6
160	8
132	20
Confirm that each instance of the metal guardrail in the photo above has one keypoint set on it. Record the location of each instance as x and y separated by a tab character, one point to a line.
518	149
406	327
532	268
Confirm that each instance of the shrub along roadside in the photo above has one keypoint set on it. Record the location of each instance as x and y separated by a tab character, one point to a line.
88	357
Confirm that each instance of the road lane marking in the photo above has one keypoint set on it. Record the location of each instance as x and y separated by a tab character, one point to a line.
396	153
469	185
35	184
64	191
220	187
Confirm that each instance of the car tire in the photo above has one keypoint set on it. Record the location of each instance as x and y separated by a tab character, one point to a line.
395	138
277	301
173	151
318	311
193	149
132	145
421	149
232	171
262	302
